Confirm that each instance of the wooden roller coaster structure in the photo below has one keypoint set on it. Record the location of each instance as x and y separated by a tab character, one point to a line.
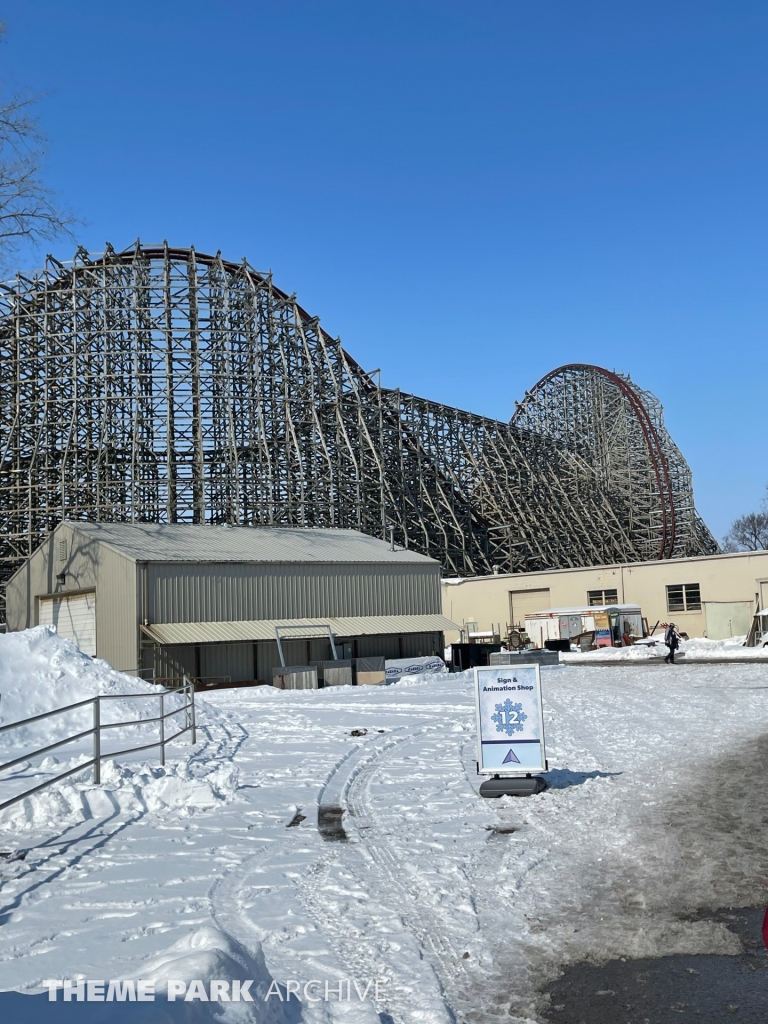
165	385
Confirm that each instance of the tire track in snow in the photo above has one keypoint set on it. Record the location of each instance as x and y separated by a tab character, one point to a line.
420	901
383	944
382	854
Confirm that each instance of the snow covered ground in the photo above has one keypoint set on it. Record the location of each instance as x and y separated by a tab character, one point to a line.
698	649
461	908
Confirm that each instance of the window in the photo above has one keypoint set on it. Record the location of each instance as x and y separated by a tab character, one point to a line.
684	597
602	597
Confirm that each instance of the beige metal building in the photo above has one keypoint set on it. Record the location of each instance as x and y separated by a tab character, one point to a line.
711	595
207	599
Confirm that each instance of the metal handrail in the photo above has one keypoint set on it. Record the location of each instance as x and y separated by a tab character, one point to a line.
47	714
45	750
167	680
187	690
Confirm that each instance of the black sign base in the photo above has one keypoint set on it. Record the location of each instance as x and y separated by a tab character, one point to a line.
498	786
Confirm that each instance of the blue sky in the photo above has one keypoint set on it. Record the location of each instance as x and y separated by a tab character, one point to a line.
468	194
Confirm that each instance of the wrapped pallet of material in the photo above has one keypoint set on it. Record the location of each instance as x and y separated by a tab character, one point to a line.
370	671
334	672
295	677
337	673
396	668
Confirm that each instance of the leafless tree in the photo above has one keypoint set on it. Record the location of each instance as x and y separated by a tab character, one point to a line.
29	211
748	533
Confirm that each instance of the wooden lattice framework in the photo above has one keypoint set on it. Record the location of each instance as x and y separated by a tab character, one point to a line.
164	385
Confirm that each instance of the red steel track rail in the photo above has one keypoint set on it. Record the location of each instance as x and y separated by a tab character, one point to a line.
652	440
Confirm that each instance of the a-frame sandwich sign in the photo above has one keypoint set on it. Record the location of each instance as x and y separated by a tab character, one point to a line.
510	720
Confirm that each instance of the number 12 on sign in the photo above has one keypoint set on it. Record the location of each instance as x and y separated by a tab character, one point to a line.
510	720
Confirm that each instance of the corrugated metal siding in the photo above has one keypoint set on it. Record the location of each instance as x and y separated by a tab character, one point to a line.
36	577
417	645
236	591
366	647
233	660
18	606
116	608
237	660
170	662
88	565
377	647
295	652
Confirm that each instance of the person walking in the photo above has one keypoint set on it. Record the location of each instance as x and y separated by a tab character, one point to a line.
672	640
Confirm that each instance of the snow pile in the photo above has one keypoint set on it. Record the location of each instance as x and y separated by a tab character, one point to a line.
436	677
638	652
208	954
700	648
697	649
123	790
41	671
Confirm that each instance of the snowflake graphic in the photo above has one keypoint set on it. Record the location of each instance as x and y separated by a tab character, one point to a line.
509	717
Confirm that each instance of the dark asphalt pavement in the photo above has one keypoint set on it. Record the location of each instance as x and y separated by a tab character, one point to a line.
673	989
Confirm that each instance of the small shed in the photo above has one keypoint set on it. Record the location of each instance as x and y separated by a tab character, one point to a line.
207	600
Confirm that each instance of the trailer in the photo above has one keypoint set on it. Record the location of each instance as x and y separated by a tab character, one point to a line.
614	625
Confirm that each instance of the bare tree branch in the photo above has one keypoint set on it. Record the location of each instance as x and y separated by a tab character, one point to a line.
748	533
29	210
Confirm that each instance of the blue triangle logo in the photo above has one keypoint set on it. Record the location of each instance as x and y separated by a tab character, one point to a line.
511	756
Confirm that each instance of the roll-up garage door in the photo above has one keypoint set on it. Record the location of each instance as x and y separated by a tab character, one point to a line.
524	602
74	617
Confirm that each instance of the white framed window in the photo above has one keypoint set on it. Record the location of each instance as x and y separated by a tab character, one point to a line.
684	597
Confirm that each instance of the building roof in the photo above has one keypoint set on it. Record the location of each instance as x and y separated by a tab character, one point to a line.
264	629
187	542
584	609
457	581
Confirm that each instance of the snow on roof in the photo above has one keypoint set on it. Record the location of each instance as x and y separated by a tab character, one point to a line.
188	542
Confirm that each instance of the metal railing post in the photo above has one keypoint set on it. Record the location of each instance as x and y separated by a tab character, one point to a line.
97	740
333	644
190	724
162	730
279	646
192	699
